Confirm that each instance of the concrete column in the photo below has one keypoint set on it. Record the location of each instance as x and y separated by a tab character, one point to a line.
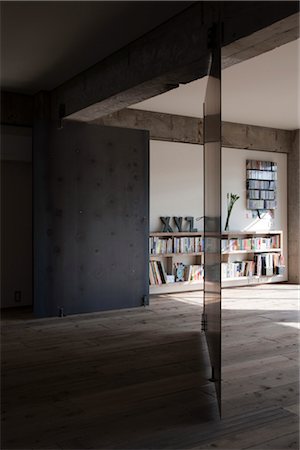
294	209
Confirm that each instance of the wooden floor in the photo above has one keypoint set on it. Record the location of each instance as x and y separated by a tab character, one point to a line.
138	379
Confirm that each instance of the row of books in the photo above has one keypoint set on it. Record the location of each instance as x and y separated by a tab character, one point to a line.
161	246
188	244
194	272
251	244
268	264
255	194
261	204
158	246
158	275
261	165
261	184
237	269
261	175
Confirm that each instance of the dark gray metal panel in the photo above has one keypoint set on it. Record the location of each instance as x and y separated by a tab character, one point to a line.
212	217
91	218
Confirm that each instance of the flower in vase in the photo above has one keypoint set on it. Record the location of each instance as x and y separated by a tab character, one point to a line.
231	199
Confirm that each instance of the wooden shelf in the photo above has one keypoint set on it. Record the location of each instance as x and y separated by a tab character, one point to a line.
236	252
249	233
186	286
246	281
228	257
171	255
177	234
179	286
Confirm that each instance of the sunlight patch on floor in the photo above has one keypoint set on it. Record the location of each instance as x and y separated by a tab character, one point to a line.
289	324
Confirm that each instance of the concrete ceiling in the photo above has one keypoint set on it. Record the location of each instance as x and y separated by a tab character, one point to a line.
261	91
45	43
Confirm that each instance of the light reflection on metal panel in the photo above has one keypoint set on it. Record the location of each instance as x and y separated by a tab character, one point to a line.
212	217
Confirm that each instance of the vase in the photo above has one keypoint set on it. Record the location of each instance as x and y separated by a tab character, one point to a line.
227	222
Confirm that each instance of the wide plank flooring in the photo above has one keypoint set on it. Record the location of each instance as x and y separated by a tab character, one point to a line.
138	379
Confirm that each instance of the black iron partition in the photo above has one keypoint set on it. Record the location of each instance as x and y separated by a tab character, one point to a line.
90	218
212	215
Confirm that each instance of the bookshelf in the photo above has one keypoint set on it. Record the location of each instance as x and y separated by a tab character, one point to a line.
247	258
252	258
261	179
166	252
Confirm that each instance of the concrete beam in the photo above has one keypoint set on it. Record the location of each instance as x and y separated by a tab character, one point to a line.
252	137
264	40
293	178
174	128
161	126
175	52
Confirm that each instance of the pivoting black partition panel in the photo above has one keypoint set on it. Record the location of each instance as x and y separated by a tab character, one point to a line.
90	218
212	217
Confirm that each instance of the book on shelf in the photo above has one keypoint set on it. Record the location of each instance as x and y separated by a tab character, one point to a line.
238	269
264	264
157	273
194	272
261	184
261	175
188	244
261	165
162	271
190	273
151	275
261	204
168	245
256	194
158	246
251	244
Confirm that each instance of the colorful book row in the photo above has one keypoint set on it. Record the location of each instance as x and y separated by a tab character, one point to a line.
194	272
261	184
268	264
161	246
158	275
261	204
255	194
158	246
251	244
261	165
238	269
261	175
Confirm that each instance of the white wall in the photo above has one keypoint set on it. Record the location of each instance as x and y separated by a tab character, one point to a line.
234	181
176	177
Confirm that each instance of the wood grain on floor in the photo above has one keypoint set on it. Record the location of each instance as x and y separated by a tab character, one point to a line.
138	379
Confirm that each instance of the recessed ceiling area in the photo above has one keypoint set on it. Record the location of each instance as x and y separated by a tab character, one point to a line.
45	43
261	91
